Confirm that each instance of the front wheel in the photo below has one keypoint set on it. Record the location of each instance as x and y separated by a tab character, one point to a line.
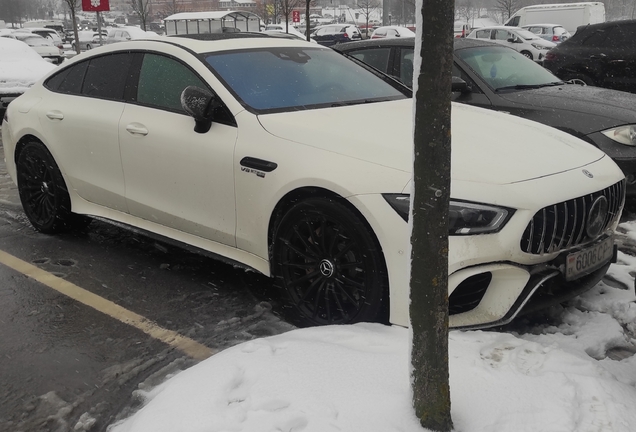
527	54
88	47
329	265
43	192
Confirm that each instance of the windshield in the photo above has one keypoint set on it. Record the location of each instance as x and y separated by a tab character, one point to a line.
292	78
502	67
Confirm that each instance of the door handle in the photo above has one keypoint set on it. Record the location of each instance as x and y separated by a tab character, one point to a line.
259	164
136	129
55	115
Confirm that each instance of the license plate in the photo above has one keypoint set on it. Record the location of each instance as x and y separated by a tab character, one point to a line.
589	259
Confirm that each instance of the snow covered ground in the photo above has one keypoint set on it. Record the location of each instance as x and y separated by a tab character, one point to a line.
573	372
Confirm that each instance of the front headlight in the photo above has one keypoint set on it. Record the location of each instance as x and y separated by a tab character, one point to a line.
539	47
622	134
464	218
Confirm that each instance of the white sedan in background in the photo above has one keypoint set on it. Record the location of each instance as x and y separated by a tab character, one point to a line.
245	147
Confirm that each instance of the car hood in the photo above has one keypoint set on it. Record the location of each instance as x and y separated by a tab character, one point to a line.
487	146
582	108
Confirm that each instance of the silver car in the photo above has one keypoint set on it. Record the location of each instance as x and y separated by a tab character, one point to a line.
551	32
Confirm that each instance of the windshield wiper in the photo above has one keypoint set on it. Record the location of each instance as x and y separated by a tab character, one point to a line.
529	86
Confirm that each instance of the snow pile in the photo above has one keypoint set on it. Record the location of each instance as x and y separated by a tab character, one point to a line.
577	375
20	66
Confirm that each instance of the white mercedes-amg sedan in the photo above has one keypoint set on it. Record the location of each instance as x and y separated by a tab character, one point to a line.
287	158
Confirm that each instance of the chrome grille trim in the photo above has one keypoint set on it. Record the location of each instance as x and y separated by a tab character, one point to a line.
562	226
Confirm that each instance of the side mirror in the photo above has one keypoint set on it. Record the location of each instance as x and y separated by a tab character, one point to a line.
198	103
459	85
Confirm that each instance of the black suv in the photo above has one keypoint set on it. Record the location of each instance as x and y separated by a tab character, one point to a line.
603	55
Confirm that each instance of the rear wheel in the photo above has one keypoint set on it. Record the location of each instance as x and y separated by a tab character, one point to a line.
43	192
329	265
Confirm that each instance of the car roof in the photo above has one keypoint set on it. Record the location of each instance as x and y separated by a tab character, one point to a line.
213	42
541	25
608	24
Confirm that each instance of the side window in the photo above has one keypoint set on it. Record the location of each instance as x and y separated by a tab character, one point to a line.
69	80
107	75
483	34
161	81
406	66
622	37
376	57
596	39
515	21
502	35
457	72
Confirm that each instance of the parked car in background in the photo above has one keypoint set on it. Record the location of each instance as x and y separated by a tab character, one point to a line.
44	47
277	28
551	32
123	34
332	34
602	55
496	77
391	31
527	43
89	39
47	33
309	176
20	68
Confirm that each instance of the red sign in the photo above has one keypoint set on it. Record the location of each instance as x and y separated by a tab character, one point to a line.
296	16
95	5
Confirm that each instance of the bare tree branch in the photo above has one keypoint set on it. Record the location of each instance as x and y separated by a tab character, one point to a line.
142	9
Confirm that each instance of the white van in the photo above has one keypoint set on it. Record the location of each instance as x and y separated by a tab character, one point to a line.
568	15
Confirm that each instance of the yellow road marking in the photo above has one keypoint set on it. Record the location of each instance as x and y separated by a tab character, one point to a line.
188	346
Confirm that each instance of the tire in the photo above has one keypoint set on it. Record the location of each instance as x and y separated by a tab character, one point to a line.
43	193
527	54
88	47
328	265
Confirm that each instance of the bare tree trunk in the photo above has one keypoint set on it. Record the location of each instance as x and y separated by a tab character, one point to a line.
430	204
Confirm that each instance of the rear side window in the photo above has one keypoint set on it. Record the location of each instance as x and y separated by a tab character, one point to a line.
107	75
483	34
595	39
376	57
68	80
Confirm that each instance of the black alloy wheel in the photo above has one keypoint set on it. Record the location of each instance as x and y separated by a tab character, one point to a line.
43	192
329	265
527	54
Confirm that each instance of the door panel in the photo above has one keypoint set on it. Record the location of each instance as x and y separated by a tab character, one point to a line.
86	146
174	176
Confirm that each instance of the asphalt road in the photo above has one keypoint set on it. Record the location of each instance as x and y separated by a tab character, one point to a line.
87	318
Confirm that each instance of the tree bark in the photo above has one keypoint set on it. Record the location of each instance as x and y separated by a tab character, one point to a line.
429	207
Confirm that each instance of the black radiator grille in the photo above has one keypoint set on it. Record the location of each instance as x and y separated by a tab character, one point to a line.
563	225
